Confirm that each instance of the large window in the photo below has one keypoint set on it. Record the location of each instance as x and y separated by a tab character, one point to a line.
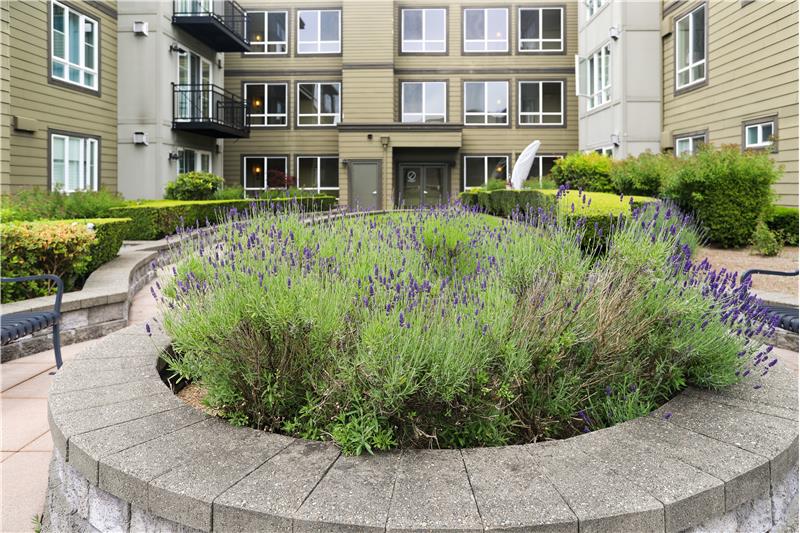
424	101
266	103
486	102
541	167
541	103
319	31
74	42
759	135
265	172
593	6
689	144
320	174
486	30
73	163
594	77
424	30
267	32
690	48
319	104
541	29
193	160
480	169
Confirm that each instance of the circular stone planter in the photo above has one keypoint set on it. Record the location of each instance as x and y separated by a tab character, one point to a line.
131	456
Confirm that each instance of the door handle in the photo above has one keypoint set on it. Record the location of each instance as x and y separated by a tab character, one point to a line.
424	192
374	192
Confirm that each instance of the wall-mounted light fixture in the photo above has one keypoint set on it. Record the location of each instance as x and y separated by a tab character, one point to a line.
141	27
615	139
140	137
173	156
384	141
175	47
614	33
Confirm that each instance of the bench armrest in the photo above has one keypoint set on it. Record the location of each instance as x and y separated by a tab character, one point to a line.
39	277
749	273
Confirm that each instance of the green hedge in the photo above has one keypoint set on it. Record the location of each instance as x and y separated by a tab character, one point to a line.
785	221
156	219
66	248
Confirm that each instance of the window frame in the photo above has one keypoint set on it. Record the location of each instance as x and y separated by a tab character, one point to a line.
198	157
265	158
771	145
318	188
486	114
267	115
83	18
86	140
562	113
607	151
485	158
699	82
538	163
693	141
337	116
485	40
424	84
598	91
319	40
424	41
593	7
540	9
266	42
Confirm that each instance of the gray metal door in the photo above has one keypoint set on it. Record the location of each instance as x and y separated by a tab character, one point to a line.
365	184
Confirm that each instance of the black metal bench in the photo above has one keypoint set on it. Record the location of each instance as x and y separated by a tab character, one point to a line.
17	325
788	314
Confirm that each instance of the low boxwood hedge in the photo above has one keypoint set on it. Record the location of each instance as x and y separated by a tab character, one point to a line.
155	219
785	221
71	249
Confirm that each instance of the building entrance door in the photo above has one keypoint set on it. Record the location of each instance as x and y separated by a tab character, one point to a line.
365	184
422	185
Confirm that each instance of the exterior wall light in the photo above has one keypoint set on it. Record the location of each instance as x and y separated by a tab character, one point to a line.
175	47
173	156
141	27
140	137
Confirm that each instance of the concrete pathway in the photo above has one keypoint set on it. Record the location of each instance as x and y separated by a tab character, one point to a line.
25	443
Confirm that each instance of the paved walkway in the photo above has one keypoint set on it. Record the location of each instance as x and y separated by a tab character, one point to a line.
25	443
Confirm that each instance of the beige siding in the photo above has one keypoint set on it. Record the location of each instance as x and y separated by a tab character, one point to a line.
752	73
5	96
55	106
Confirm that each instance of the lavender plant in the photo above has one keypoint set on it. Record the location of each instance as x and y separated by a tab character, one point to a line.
446	327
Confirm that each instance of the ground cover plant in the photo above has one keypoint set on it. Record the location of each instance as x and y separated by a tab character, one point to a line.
450	328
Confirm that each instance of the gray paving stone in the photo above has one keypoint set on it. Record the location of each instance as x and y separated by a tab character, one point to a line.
513	494
124	343
73	400
602	499
83	365
747	404
772	437
746	475
689	495
432	492
185	493
74	380
267	499
86	450
353	496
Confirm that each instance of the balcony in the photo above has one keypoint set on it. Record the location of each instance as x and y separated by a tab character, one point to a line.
209	110
218	23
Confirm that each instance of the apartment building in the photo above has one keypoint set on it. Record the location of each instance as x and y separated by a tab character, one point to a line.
387	103
59	95
173	108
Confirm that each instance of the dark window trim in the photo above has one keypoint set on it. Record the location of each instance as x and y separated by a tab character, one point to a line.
242	157
509	30
288	84
265	9
696	133
54	131
297	156
761	120
296	88
510	100
399	30
65	84
564	100
296	40
399	115
465	155
518	13
697	85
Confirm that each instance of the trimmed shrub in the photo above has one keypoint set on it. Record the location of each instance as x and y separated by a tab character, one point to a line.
193	186
109	234
590	171
643	175
727	190
153	220
765	242
785	221
230	193
39	204
495	184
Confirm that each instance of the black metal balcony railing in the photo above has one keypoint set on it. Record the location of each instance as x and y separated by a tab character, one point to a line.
209	110
221	24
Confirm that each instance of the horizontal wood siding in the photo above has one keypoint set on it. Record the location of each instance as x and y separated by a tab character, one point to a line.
54	106
752	73
367	95
5	96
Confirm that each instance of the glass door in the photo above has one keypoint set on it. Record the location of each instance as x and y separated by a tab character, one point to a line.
410	186
433	185
194	79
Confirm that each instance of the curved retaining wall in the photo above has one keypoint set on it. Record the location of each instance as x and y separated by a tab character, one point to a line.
130	456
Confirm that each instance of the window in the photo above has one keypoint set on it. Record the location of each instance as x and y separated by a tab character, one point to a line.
424	30
424	102
73	163
193	160
541	29
73	57
594	77
266	103
541	102
319	32
486	30
690	48
541	167
759	135
319	104
318	174
593	6
266	31
265	172
607	151
478	170
485	102
689	144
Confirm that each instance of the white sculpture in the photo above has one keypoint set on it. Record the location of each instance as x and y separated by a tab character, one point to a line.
523	165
